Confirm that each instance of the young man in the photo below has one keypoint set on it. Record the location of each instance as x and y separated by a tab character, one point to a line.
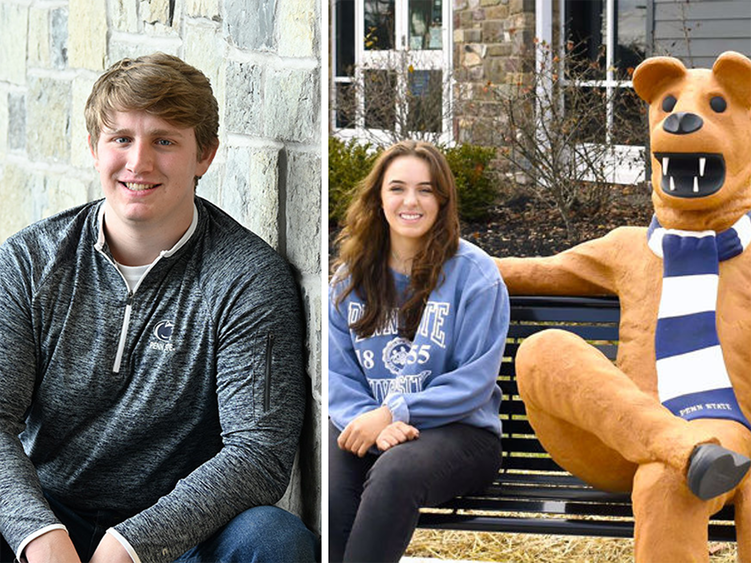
151	381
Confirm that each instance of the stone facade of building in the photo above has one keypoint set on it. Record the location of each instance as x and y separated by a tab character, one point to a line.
263	60
490	37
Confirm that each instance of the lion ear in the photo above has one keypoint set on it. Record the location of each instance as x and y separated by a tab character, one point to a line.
650	75
733	71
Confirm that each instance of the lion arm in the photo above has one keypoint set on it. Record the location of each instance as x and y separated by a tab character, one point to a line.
585	269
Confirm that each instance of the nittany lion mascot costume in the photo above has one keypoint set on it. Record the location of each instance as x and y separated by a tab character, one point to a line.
669	421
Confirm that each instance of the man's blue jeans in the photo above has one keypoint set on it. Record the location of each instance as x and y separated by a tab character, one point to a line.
263	533
260	534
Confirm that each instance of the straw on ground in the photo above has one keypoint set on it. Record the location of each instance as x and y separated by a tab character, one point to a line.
531	548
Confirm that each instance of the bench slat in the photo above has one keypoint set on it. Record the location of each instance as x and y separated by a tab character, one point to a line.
530	463
539	506
557	526
527	525
518	428
603	305
579	492
514	406
521	445
547	479
586	332
572	503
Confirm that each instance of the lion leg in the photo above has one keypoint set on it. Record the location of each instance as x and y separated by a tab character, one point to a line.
563	378
738	438
670	522
743	521
582	453
742	503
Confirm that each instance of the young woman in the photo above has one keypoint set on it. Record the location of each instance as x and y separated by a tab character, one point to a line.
417	326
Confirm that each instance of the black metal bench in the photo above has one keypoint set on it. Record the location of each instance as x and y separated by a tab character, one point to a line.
532	494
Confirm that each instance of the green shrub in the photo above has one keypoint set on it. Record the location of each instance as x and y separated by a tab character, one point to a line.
475	183
350	162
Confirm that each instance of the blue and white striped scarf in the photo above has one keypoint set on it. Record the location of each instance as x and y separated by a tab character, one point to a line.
692	379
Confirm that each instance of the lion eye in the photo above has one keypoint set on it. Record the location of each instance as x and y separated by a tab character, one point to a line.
718	104
669	103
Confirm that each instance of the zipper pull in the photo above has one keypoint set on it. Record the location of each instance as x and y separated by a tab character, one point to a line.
267	378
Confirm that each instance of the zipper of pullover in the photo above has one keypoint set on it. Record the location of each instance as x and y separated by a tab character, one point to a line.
267	375
128	309
123	334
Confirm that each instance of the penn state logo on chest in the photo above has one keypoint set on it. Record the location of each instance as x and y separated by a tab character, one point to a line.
161	336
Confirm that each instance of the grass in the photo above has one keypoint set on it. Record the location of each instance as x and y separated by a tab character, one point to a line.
531	548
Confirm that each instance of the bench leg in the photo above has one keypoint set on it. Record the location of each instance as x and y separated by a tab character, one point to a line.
567	383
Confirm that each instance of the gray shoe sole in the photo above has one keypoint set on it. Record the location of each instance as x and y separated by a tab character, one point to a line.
714	470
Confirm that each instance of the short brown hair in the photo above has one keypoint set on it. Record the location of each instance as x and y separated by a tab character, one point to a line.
161	85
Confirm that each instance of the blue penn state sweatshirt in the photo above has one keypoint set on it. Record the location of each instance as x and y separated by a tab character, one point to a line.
447	373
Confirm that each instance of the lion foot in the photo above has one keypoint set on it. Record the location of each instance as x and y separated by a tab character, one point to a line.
714	470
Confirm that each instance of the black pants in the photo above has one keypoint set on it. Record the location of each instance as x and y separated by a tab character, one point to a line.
374	500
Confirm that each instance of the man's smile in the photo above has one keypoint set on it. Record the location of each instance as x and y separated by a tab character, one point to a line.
139	187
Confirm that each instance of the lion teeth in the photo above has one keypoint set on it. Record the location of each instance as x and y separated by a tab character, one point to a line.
696	185
672	184
702	165
665	161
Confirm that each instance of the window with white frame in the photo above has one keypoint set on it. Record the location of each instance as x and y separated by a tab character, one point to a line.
391	62
343	63
608	38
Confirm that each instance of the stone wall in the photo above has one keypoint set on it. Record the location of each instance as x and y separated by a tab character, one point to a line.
263	60
490	37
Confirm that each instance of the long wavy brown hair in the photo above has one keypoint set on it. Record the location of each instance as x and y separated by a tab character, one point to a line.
364	244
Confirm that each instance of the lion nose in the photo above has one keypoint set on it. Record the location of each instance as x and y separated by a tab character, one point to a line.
682	123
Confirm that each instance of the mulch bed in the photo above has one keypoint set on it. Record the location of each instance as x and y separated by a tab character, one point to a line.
524	227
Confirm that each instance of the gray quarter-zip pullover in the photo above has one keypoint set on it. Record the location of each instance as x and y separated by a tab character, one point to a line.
175	407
